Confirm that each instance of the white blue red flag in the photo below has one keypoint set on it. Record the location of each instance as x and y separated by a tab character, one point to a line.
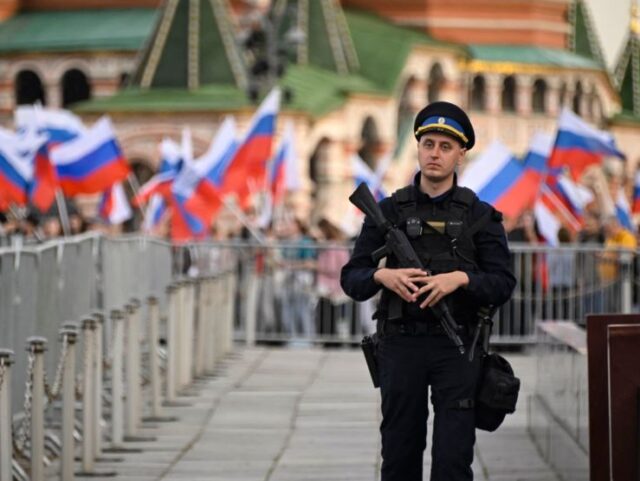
579	145
635	208
623	211
156	208
171	163
361	172
114	207
16	171
90	163
283	172
249	164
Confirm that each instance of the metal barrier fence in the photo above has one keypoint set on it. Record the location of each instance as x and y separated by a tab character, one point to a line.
130	293
289	293
136	319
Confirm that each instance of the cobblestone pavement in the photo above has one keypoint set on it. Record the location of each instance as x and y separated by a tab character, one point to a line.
273	414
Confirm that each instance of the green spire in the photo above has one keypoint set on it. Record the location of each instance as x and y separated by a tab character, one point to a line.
327	41
583	38
193	44
627	71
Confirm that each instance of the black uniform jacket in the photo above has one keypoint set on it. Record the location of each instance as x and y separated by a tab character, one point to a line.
491	284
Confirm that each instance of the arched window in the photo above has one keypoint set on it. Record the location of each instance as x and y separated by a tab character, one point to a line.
436	82
509	94
405	112
562	95
539	96
28	88
141	170
577	99
370	142
478	96
318	161
75	87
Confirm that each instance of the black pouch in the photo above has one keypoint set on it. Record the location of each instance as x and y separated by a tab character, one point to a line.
369	347
497	393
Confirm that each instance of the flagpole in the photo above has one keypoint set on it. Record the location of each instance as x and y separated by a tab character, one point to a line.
135	187
243	219
62	213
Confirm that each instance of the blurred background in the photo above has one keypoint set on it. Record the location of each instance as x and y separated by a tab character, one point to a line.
353	75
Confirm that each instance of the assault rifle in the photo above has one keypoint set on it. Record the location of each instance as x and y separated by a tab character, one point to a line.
397	243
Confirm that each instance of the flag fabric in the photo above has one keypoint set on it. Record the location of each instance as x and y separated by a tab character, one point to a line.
156	209
548	205
16	172
249	164
361	172
623	211
201	185
579	145
90	163
114	206
283	172
171	162
636	194
60	126
509	184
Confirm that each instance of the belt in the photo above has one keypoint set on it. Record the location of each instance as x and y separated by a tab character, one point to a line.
412	328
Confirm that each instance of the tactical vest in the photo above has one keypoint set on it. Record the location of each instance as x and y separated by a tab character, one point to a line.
442	235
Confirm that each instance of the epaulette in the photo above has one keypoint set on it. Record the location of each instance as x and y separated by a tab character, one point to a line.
404	195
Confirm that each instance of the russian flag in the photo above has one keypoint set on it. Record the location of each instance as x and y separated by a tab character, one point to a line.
579	145
623	211
92	162
171	163
156	209
573	196
201	185
283	172
547	207
114	207
249	164
636	194
361	172
58	126
498	177
15	171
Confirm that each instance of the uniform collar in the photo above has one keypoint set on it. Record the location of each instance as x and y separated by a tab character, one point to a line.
422	197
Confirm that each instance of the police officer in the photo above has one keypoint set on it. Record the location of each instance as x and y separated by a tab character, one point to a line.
462	244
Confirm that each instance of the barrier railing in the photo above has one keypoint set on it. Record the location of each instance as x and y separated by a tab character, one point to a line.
44	427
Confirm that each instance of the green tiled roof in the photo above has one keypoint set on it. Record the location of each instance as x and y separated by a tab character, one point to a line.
532	55
383	48
583	37
316	91
103	29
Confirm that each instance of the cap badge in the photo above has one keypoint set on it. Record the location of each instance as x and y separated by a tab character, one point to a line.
441	120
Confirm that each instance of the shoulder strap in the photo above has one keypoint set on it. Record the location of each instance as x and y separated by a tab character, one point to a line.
461	201
405	201
489	215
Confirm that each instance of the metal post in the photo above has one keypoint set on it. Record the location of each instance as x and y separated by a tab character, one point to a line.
187	338
97	384
171	381
626	259
202	332
210	346
88	403
116	379
37	346
252	307
231	283
133	370
68	404
6	446
179	334
154	365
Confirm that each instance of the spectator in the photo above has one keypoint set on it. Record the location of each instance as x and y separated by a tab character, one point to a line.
619	244
561	265
333	302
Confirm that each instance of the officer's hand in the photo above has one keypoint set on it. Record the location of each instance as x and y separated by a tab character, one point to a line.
401	281
440	285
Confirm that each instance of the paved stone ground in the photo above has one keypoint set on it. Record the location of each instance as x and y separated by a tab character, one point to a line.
299	415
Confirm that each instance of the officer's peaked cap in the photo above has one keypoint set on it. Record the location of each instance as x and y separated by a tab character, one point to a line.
445	118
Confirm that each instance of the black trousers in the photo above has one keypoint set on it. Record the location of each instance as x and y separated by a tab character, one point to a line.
408	365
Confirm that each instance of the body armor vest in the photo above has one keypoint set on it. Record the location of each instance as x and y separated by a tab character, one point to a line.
442	235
